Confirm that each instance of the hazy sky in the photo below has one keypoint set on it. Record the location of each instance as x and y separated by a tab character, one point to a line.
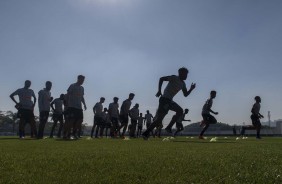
123	46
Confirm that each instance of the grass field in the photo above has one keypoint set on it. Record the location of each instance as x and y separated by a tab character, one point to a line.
106	161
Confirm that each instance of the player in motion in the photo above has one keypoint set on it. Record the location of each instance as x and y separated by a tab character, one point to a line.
255	117
207	117
179	124
166	103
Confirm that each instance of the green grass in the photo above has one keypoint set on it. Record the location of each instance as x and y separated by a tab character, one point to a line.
136	161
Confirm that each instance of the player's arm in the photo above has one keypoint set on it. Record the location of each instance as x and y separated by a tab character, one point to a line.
34	100
162	79
12	96
261	116
52	106
83	102
187	92
216	113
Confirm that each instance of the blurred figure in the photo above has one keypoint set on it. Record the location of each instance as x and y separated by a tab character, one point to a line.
114	115
98	120
134	114
124	113
140	120
44	100
207	117
25	108
57	115
179	124
75	101
255	117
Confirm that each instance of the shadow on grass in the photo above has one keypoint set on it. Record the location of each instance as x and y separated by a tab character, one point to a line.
205	142
15	138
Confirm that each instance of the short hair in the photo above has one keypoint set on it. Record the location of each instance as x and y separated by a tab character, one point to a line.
102	98
213	92
48	82
131	94
81	77
62	95
116	98
27	81
183	69
257	98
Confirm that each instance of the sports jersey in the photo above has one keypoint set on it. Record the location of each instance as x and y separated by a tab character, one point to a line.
175	84
25	98
75	96
134	112
140	121
58	106
98	109
207	106
148	118
124	110
256	108
113	110
44	98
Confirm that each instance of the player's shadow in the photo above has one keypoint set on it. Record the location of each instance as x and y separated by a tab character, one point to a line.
15	138
205	142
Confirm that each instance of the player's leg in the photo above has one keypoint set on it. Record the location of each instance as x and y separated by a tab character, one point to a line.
179	112
125	125
54	126
206	126
61	120
93	127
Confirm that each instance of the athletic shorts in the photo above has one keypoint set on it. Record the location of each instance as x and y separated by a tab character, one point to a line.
255	120
115	122
166	104
44	115
58	117
25	114
98	121
74	113
123	119
209	118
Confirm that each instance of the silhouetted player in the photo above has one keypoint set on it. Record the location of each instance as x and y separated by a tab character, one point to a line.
255	117
114	115
57	115
166	103
75	101
25	108
179	124
148	119
134	114
107	122
140	124
98	120
207	117
124	112
44	100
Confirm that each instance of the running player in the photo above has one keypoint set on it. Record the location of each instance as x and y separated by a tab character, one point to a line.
57	115
255	117
124	112
114	115
25	108
44	100
75	101
97	110
179	124
166	103
207	117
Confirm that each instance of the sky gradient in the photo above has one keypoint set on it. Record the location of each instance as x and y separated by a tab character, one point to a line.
123	46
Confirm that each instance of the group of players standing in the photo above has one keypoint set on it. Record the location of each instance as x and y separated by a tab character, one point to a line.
105	119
